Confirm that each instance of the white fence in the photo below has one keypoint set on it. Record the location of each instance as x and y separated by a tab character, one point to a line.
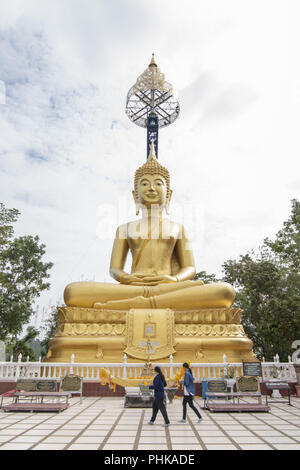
12	371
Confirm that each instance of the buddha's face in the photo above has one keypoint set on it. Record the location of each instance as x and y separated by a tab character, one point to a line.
152	189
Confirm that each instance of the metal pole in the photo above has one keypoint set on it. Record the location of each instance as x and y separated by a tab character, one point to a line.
152	133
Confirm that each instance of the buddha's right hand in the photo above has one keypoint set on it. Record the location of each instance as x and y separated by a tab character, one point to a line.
147	279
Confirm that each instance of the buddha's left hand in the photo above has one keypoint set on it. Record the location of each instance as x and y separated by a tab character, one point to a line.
153	280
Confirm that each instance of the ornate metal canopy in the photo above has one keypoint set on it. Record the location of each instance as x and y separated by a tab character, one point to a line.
152	95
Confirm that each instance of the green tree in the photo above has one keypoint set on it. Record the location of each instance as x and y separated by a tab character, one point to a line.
206	278
22	346
268	290
23	276
50	327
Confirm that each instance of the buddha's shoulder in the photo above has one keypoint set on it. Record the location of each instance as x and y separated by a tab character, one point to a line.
122	231
175	226
174	229
125	230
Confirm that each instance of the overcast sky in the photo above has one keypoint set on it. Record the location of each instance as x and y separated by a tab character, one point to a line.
67	149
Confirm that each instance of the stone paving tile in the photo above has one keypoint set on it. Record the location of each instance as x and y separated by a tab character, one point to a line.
103	419
150	430
152	440
123	426
224	421
12	446
67	432
4	439
150	447
287	446
69	427
247	440
255	447
175	425
83	423
258	427
9	418
49	446
38	432
215	440
25	438
248	423
117	432
289	427
94	433
89	440
189	432
208	427
184	440
267	432
19	426
57	439
83	447
119	447
293	433
187	447
279	440
234	434
238	427
220	447
121	440
97	428
9	432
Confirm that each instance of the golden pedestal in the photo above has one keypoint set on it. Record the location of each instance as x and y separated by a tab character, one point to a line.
104	336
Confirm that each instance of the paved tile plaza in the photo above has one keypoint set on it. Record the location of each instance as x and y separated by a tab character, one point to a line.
103	424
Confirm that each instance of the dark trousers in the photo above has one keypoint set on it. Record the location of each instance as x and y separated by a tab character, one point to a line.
189	400
158	404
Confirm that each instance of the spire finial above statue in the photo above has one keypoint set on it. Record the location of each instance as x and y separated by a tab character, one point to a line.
153	63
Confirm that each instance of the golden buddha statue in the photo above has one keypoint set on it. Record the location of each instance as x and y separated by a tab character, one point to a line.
162	260
186	318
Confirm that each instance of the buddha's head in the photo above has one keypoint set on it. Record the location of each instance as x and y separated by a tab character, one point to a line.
152	185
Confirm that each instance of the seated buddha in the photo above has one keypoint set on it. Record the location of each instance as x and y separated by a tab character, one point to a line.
163	265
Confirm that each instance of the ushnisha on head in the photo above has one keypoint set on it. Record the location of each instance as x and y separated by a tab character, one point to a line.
152	184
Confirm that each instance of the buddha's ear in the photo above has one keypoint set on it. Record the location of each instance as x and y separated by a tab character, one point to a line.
137	205
168	201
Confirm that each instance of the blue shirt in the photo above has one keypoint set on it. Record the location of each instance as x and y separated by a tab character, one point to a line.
189	383
158	386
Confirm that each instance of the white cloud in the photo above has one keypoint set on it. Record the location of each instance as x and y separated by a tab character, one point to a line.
67	145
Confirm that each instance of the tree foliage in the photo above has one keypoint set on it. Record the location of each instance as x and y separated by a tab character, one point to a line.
206	278
268	290
267	284
50	326
16	346
23	275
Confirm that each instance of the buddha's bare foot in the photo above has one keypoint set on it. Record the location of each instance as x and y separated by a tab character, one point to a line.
124	304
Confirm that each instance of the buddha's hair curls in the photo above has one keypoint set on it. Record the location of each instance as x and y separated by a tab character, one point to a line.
152	167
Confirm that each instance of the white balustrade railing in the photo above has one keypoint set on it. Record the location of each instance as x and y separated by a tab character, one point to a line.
12	371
